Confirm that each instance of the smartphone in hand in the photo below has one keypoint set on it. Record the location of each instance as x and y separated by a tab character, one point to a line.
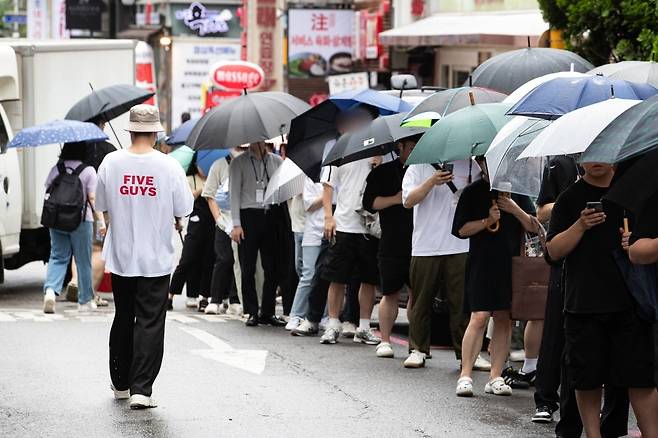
448	167
596	206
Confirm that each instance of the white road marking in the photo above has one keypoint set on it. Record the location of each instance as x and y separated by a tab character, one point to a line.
252	361
5	317
181	318
210	318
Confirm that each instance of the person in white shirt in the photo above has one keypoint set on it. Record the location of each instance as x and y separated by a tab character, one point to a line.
438	259
144	192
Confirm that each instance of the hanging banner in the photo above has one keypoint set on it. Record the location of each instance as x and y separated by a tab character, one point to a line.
58	28
37	19
145	70
320	42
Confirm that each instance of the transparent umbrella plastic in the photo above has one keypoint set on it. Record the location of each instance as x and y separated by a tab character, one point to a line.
506	173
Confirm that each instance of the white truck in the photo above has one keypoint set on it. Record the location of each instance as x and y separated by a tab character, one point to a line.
39	82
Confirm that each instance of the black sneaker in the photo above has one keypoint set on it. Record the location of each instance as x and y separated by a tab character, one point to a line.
518	379
543	414
203	303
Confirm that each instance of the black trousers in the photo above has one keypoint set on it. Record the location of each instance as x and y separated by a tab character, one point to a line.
137	334
259	228
195	266
222	285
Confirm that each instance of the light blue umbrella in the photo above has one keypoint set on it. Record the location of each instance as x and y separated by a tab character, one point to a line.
384	103
206	158
179	135
58	131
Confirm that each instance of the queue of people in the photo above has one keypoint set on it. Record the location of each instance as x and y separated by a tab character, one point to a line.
440	233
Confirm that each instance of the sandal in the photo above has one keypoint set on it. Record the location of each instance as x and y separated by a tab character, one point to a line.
464	387
100	302
498	386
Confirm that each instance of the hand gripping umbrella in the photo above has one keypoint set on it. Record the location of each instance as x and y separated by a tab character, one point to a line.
250	118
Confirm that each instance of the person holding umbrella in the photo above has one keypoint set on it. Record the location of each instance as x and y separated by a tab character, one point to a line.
142	191
606	343
494	222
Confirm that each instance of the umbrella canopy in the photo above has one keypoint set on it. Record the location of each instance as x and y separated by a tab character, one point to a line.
445	102
249	118
559	96
179	135
184	155
108	103
575	131
58	131
505	172
386	104
461	135
286	183
378	138
508	71
526	88
642	72
311	131
637	184
205	159
632	133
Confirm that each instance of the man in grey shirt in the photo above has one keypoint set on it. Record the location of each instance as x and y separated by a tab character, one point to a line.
254	228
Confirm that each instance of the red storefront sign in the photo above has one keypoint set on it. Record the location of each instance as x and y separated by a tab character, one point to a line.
237	75
215	97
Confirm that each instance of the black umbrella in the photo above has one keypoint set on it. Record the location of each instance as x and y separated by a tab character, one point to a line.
509	70
246	119
108	103
635	182
378	138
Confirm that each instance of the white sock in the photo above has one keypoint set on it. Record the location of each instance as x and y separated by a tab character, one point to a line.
529	365
364	324
333	323
50	292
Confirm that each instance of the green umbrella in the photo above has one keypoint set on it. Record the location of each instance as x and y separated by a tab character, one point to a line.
184	156
632	133
461	135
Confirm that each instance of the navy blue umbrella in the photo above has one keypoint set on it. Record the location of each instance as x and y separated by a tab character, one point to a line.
385	104
556	97
58	131
179	135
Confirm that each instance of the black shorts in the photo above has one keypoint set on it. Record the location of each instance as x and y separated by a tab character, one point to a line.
614	349
393	274
352	257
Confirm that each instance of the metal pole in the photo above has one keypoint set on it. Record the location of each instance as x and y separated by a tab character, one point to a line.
16	33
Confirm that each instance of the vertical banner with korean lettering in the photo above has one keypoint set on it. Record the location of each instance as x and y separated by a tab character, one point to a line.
320	42
37	19
58	20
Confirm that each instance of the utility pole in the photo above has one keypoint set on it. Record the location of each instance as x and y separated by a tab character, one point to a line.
16	33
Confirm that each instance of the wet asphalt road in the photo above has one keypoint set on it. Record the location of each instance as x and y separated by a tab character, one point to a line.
222	379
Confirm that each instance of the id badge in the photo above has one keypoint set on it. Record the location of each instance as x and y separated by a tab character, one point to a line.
260	192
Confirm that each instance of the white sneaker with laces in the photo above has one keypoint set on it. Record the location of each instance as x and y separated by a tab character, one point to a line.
293	323
234	309
481	364
138	401
464	387
366	337
498	386
415	360
49	301
212	309
306	328
89	306
120	395
348	329
384	350
330	336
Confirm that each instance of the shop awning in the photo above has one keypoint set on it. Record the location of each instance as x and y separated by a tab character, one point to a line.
506	28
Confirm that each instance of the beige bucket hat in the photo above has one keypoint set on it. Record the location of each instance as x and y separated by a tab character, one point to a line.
144	118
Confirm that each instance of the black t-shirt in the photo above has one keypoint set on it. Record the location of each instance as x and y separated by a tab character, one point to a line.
593	281
396	221
646	224
560	172
97	151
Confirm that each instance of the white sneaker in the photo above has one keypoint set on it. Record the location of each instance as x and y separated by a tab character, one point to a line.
464	387
498	386
213	309
366	337
306	328
49	301
138	401
384	350
415	360
120	395
348	329
89	306
481	364
234	309
192	303
517	356
293	323
330	336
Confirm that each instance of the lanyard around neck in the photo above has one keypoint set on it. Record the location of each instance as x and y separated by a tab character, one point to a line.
266	174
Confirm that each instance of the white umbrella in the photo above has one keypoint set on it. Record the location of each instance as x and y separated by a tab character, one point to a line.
506	174
286	183
534	83
575	131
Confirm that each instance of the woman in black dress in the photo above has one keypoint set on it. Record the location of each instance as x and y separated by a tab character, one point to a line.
495	224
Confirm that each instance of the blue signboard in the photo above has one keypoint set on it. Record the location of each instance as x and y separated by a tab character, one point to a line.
14	19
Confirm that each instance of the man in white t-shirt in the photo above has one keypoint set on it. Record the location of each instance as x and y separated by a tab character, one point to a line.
143	191
438	259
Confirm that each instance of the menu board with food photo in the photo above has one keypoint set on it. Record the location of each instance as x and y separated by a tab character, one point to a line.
320	42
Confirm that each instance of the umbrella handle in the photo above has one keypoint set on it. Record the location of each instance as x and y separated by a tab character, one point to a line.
626	228
495	227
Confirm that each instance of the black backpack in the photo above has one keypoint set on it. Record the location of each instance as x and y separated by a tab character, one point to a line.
64	205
